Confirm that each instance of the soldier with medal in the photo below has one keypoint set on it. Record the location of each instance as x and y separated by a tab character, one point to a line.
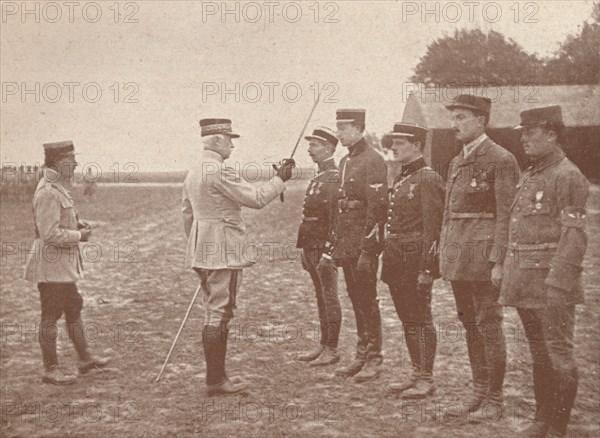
479	190
542	269
416	206
318	215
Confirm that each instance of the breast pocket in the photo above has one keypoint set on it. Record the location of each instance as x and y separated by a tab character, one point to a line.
68	214
539	203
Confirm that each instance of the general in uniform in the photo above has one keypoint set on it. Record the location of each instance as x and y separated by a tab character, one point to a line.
358	238
318	215
480	187
409	259
55	263
217	249
542	270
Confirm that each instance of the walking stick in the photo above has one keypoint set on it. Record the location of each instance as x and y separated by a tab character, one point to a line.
178	333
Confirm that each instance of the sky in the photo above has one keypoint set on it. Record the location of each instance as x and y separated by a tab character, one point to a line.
129	81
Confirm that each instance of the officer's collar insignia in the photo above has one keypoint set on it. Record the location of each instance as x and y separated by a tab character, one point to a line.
376	186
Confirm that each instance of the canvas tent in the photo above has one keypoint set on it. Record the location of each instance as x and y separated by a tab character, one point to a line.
581	113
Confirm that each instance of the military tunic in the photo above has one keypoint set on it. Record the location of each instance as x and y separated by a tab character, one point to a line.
547	240
319	208
55	256
362	203
479	191
414	222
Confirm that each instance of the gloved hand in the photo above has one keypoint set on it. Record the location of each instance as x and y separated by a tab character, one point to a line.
367	263
85	234
424	281
284	171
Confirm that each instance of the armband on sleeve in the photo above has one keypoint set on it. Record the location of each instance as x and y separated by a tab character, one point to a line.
572	217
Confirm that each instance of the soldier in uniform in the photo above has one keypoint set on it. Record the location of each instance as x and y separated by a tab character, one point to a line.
479	190
542	269
358	238
318	215
213	197
55	263
409	259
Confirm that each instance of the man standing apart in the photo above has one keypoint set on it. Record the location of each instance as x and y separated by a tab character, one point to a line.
479	190
358	238
213	197
55	262
409	258
318	215
542	270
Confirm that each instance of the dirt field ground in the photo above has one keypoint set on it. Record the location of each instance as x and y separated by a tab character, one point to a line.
136	291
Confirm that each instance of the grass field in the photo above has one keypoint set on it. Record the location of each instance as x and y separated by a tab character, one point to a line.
136	291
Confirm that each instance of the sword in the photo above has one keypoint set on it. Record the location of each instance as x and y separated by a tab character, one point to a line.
281	198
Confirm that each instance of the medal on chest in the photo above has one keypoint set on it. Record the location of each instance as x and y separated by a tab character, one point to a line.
538	199
411	190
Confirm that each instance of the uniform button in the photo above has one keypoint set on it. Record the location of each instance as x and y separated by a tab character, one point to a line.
339	190
340	210
392	202
389	218
514	219
351	179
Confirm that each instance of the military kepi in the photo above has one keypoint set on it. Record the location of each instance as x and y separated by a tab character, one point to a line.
409	131
541	116
471	102
356	115
217	126
323	133
53	150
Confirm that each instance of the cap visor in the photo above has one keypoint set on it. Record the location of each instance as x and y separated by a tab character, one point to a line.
464	106
232	135
400	134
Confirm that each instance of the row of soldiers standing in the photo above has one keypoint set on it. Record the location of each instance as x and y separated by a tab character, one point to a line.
500	238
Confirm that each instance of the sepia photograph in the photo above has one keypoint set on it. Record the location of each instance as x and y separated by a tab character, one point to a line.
312	218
